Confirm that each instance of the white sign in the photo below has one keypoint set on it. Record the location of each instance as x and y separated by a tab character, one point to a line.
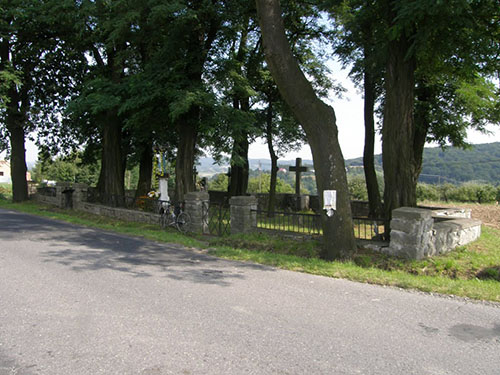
330	201
164	189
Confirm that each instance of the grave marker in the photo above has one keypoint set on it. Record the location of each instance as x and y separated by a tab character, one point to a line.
298	169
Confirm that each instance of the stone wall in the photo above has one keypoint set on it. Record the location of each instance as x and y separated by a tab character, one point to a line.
120	213
195	204
417	233
243	214
53	201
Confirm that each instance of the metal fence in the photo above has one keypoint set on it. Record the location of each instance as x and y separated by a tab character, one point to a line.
217	216
368	228
310	224
289	222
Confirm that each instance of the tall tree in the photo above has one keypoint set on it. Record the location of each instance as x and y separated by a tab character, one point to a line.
428	41
318	121
32	50
359	42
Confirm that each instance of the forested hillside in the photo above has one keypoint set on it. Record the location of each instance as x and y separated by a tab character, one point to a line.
479	163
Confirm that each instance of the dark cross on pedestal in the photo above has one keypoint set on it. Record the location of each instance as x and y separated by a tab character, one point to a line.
195	175
298	169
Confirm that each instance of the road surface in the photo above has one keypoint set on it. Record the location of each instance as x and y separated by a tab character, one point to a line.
75	301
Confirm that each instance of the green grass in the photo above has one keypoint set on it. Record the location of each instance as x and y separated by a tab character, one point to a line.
471	271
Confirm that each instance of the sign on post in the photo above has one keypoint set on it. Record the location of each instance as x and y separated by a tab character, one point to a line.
330	202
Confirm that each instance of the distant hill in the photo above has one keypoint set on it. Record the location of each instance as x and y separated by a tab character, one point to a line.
207	167
454	165
479	163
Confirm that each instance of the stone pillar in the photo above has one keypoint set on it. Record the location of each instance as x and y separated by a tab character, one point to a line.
80	194
243	219
61	198
411	232
195	204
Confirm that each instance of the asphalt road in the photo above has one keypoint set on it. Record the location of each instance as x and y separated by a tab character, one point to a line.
82	301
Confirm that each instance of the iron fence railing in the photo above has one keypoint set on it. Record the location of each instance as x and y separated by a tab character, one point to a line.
310	224
368	228
217	216
289	222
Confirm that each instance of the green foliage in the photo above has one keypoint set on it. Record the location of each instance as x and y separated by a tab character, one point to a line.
261	183
66	169
219	182
8	78
428	192
357	188
307	181
467	192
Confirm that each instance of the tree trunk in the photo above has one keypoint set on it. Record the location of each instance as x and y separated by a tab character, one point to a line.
188	132
271	205
239	167
239	159
319	123
422	123
145	170
398	130
374	200
112	176
18	157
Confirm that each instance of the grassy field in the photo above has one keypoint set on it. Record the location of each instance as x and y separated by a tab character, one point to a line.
471	271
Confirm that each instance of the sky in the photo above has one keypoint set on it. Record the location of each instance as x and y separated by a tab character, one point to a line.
349	113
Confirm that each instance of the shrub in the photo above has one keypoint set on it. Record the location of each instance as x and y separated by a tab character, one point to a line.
474	192
357	188
428	192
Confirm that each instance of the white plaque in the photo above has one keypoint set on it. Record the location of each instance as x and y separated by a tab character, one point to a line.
164	189
330	201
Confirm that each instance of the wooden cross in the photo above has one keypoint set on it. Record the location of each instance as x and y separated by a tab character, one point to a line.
298	169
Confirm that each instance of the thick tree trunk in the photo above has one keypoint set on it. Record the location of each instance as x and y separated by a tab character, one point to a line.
240	169
188	132
422	124
319	123
145	170
112	176
271	205
398	130
374	200
18	157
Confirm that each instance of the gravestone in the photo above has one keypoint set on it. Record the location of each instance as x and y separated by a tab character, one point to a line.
298	169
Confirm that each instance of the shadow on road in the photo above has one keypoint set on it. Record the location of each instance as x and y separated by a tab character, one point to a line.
85	249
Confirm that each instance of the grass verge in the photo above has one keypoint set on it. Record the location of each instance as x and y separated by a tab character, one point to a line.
471	271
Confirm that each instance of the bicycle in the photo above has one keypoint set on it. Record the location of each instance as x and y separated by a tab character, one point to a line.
174	217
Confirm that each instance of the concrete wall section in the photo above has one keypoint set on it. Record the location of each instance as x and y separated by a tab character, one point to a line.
449	234
417	233
243	215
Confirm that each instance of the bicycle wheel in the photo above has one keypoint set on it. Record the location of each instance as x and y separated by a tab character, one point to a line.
183	221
